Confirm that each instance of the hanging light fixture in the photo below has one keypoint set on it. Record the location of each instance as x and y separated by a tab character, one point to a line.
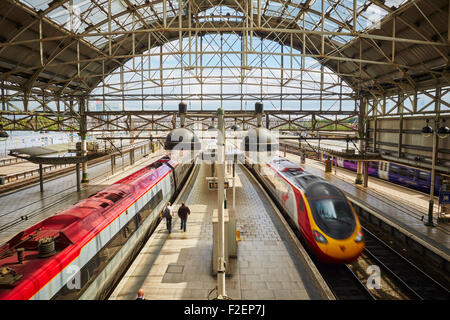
443	131
427	131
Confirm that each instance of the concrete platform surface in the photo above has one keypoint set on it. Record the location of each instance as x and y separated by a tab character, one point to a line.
179	265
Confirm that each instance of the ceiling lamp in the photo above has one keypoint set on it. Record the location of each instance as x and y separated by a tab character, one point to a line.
427	131
443	131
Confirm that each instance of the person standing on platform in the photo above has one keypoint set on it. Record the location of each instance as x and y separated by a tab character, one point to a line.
183	213
168	214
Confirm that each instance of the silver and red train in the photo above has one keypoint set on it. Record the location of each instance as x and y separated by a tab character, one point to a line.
80	252
320	211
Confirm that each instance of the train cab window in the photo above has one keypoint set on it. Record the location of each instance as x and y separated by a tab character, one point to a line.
331	210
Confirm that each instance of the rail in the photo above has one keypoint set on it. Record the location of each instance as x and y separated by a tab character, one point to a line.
410	278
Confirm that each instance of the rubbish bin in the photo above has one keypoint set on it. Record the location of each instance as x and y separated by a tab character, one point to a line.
328	165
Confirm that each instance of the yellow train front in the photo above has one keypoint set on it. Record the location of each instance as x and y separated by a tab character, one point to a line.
321	211
331	226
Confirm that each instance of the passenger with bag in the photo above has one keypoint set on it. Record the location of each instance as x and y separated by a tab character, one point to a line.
168	214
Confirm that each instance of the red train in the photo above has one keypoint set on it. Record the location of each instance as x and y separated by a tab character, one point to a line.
322	213
80	252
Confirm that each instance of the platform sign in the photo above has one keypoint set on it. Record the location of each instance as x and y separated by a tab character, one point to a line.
444	197
214	185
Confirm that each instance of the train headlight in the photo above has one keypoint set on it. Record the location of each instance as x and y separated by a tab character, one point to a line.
319	237
359	237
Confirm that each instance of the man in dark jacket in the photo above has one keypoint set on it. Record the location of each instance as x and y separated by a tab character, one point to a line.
183	213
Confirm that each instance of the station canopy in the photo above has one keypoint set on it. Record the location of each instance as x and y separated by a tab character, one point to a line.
80	42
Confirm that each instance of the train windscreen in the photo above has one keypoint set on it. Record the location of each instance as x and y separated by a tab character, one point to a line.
331	210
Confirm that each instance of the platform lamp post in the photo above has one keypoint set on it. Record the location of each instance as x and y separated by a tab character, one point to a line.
221	268
442	132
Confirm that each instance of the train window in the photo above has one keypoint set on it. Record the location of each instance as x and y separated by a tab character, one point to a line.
151	205
92	269
403	171
331	210
373	165
421	175
104	205
411	174
394	170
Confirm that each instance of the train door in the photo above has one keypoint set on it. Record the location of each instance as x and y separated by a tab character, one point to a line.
288	201
383	170
302	215
340	162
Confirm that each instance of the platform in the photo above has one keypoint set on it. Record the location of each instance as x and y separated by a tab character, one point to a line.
403	206
60	193
179	265
20	167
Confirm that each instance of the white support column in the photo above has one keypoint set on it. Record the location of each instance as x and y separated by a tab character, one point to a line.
234	180
221	268
83	132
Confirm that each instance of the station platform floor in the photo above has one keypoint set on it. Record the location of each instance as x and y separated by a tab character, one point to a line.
59	194
403	206
179	265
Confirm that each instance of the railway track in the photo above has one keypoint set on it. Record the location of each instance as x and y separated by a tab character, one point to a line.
344	283
415	283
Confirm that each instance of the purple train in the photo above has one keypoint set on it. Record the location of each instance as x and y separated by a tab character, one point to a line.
399	174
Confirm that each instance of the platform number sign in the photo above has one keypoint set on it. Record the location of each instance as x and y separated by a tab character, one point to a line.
444	197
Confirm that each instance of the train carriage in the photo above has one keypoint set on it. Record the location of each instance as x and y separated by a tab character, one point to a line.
321	212
81	252
403	175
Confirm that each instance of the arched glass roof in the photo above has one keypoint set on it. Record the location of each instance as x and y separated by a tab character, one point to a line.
93	16
376	47
163	76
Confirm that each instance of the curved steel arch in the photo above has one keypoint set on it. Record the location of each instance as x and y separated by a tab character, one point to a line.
364	59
